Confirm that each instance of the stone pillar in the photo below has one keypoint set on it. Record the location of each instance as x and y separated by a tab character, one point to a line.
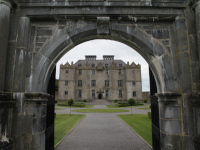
196	6
22	56
29	121
170	121
6	100
5	7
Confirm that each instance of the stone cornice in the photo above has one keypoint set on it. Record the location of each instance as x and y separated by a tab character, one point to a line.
168	97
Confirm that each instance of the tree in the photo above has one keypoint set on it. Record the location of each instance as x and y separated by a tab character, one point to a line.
70	102
131	102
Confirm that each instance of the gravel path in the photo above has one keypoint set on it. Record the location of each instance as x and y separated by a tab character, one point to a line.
102	131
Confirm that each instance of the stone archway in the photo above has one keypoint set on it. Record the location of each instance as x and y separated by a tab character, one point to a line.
164	33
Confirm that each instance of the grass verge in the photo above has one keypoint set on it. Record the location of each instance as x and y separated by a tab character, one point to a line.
65	105
146	108
57	108
114	106
63	124
100	110
140	124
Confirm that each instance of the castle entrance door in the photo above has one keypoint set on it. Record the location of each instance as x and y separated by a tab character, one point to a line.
100	96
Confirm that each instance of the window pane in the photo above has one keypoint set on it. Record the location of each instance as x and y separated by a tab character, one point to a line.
93	82
120	71
79	93
93	71
80	71
106	82
79	82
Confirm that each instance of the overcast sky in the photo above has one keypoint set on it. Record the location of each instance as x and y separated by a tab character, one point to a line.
107	47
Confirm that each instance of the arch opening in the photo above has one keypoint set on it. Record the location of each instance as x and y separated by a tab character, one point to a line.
52	51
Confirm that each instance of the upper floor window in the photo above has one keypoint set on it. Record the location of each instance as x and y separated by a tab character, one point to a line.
106	71
120	71
120	65
120	93
133	71
79	82
134	83
93	93
79	65
67	71
79	93
79	71
120	83
66	92
66	82
93	82
93	71
106	82
106	65
134	93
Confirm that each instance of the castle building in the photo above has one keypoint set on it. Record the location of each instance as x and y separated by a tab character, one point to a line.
107	79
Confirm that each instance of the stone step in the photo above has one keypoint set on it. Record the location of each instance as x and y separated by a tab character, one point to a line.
100	102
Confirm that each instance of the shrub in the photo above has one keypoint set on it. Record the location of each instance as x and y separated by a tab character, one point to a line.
115	101
84	100
70	102
145	100
56	101
131	101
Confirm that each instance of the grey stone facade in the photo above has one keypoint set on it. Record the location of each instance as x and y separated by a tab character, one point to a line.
108	79
34	35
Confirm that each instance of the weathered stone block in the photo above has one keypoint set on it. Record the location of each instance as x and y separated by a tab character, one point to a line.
39	124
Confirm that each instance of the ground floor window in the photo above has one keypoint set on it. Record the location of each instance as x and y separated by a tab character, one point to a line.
107	93
79	93
66	92
93	93
134	93
120	93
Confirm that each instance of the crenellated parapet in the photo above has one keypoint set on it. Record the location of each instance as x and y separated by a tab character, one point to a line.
67	66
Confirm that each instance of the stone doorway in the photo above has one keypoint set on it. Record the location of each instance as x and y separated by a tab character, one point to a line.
100	96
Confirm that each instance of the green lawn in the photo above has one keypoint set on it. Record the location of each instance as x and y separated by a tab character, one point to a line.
63	124
114	106
86	106
57	108
100	110
146	108
140	124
